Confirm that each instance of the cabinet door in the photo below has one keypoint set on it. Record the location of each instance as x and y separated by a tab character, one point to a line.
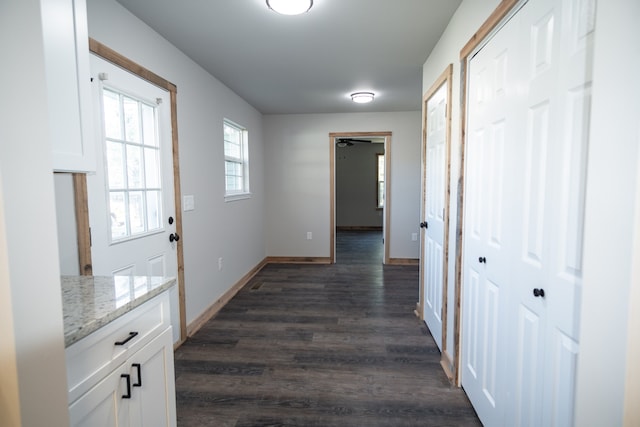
66	43
102	405
153	401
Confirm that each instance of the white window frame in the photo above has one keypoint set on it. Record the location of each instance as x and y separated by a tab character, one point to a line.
244	191
127	188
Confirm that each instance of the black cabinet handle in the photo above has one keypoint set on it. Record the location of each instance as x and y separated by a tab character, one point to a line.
126	340
127	395
138	368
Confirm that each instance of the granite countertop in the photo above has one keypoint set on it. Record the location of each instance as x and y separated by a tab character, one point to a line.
90	302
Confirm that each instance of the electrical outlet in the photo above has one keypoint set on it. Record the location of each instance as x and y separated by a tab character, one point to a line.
220	264
309	235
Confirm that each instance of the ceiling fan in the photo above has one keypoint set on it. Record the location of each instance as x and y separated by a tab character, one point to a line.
348	142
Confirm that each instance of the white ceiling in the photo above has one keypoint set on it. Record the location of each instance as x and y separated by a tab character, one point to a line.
308	63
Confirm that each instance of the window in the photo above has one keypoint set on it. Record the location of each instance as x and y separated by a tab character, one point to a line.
133	165
380	183
236	161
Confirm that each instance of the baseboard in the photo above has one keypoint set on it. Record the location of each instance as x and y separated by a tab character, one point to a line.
297	260
403	261
358	228
194	326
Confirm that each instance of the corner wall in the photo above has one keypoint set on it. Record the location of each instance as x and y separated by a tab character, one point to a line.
33	383
234	230
297	166
607	375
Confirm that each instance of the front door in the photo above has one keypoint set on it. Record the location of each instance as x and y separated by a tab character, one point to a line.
131	197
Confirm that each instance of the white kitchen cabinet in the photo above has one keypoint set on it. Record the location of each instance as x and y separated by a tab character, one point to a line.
66	54
118	383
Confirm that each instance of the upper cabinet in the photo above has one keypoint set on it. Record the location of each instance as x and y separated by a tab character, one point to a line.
66	44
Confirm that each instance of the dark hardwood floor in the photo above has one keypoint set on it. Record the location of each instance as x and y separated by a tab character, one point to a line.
320	345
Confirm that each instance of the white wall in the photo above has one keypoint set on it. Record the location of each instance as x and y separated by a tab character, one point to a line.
356	188
610	289
297	166
33	389
67	229
464	23
233	230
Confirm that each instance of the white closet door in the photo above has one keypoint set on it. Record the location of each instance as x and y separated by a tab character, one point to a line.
434	211
543	56
489	222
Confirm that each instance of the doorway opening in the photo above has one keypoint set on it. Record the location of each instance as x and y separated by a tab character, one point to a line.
360	189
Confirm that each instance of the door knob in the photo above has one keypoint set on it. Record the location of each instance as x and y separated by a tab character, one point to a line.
174	237
538	293
424	224
482	260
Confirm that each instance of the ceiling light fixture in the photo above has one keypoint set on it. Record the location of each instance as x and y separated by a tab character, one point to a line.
290	7
362	97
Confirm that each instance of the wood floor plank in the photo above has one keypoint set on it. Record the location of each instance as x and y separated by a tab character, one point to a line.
320	345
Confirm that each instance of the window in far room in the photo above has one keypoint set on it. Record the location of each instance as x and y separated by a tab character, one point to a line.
236	161
380	183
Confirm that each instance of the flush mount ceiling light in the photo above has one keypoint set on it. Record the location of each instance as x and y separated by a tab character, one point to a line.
290	7
362	97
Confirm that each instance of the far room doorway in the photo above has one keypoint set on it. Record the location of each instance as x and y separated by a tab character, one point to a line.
359	192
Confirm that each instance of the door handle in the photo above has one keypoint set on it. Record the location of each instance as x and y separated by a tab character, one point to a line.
174	237
424	224
538	293
482	260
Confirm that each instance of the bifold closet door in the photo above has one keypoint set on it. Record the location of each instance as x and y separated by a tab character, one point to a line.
528	121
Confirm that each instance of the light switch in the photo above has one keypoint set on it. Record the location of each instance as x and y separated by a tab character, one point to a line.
189	202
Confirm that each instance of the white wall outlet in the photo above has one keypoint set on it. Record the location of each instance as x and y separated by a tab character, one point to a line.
309	235
220	264
414	237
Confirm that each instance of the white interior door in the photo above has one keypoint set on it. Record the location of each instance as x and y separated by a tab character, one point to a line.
558	80
433	236
529	94
489	226
131	196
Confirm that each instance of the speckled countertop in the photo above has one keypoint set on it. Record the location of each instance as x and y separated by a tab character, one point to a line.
90	302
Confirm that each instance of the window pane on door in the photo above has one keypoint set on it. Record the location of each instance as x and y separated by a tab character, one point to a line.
118	215
115	165
134	166
149	126
154	210
131	119
136	212
112	122
151	168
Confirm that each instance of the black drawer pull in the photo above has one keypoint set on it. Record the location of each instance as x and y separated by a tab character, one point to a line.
128	394
139	369
126	340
